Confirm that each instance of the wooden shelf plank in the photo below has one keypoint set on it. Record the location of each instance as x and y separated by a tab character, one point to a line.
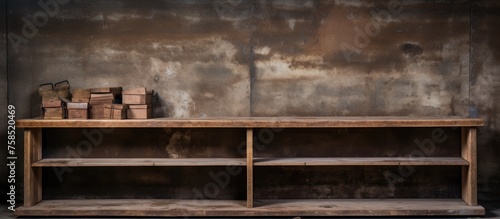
295	207
131	162
362	161
259	122
249	168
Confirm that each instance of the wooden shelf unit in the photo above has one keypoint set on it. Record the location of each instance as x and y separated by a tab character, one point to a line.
33	164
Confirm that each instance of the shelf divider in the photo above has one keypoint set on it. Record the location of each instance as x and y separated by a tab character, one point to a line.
469	173
32	176
249	168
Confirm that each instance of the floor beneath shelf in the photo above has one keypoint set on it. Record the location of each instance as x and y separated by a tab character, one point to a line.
492	211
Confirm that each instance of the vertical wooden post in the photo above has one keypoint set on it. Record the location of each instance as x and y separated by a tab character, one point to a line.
469	173
249	168
32	176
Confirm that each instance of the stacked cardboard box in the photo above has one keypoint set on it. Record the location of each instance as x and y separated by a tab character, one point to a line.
99	97
81	96
78	108
115	111
53	108
139	102
52	105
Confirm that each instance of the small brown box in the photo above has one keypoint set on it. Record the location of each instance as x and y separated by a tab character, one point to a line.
81	95
78	111
115	91
139	112
115	111
54	113
137	96
96	111
102	90
52	103
80	100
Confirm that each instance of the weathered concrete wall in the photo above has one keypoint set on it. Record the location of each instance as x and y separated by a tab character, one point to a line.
271	58
362	58
485	93
196	63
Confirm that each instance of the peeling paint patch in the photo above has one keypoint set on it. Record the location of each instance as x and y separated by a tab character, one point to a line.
278	68
291	23
165	69
177	145
120	16
262	50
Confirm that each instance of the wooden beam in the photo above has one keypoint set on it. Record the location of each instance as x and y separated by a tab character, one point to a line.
361	161
469	173
249	168
237	208
259	122
136	162
32	175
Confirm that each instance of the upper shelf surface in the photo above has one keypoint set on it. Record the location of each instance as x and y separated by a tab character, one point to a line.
258	122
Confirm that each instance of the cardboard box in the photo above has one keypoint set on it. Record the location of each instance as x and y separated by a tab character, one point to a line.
115	111
78	110
81	96
102	90
80	100
100	102
52	103
115	91
139	112
96	111
54	113
137	96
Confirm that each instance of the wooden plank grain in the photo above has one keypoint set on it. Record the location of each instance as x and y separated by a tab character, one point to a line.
131	162
249	168
32	176
260	122
469	173
237	208
362	161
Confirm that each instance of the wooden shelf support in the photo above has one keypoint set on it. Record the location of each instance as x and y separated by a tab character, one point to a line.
249	168
32	175
469	173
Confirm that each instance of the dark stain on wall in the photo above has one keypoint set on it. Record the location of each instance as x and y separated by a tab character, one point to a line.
485	93
3	93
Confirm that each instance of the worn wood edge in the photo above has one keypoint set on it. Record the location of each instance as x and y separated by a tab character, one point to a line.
32	176
260	122
469	174
249	163
27	167
295	207
362	161
131	162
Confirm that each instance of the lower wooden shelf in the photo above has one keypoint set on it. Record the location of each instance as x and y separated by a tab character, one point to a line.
279	207
361	161
135	162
